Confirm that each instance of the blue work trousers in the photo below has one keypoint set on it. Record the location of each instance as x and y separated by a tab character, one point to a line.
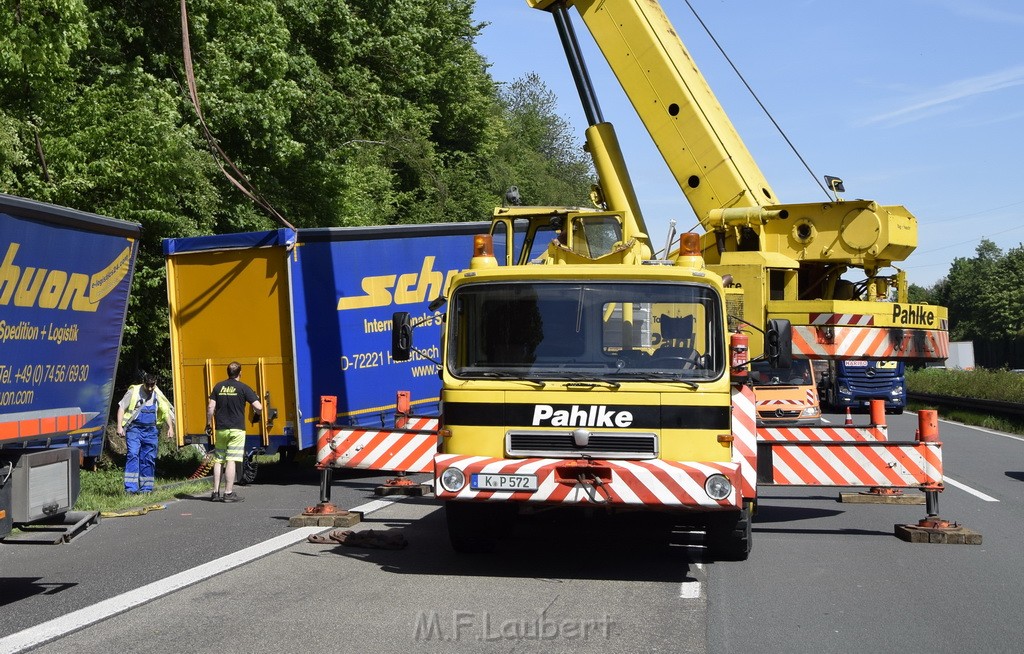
140	466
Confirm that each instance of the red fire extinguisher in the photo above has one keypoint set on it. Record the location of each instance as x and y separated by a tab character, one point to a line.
738	348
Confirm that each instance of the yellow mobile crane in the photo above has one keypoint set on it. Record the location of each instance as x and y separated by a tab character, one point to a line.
604	378
793	261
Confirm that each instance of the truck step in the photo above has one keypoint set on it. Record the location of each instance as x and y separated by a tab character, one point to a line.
57	530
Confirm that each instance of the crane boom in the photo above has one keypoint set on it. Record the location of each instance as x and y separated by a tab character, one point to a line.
790	259
692	132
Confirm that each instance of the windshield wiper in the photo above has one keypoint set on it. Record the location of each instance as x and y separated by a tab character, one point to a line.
494	374
658	375
590	382
575	379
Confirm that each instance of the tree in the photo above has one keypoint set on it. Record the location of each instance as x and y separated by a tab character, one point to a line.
539	152
920	295
353	112
980	294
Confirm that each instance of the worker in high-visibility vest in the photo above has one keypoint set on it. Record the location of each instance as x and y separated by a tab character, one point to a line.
140	414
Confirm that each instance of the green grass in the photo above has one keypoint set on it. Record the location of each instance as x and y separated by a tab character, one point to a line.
102	489
998	423
1001	385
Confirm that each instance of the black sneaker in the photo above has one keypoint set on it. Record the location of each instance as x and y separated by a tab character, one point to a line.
232	497
216	497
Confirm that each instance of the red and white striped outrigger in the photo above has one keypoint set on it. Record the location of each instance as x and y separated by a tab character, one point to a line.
856	336
845	456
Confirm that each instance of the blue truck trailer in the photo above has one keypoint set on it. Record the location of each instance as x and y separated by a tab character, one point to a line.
65	278
854	383
308	314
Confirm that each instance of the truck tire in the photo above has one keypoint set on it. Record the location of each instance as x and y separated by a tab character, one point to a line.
472	527
728	535
247	470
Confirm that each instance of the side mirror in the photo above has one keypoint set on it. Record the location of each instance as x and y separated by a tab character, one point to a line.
437	303
401	336
778	343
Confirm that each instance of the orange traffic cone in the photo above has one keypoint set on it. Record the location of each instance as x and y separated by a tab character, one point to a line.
849	417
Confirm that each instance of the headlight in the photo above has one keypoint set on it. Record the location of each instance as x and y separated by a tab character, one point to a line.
811	412
843	389
897	390
452	480
717	487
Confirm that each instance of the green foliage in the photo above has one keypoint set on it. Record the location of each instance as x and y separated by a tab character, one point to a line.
340	113
40	36
919	295
1001	385
1008	424
103	489
985	294
540	141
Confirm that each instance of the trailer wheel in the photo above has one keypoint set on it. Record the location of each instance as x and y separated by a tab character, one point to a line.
248	468
472	527
728	535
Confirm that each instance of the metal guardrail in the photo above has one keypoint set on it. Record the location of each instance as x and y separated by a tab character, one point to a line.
995	406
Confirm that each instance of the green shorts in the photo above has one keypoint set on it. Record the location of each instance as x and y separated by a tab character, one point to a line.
229	446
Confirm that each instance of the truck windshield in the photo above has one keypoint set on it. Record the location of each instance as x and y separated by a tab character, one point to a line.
593	331
763	374
872	368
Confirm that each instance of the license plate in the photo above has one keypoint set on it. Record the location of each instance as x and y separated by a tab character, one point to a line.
481	481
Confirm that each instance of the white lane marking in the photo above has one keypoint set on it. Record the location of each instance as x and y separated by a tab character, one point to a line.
691	589
983	430
62	626
965	487
370	507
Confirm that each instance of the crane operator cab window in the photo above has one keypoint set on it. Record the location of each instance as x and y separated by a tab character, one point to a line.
590	235
615	331
596	236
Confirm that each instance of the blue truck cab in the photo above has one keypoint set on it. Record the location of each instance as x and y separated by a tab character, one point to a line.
854	383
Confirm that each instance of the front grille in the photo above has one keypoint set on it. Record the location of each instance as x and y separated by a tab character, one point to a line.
878	387
604	445
779	413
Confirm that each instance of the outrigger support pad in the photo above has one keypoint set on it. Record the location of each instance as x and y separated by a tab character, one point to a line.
934	529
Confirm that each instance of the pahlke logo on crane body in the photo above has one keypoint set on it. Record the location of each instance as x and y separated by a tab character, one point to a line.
580	416
912	315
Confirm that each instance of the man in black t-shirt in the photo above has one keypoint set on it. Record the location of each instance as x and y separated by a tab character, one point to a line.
227	409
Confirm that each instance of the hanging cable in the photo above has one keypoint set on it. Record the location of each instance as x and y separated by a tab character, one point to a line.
758	100
236	176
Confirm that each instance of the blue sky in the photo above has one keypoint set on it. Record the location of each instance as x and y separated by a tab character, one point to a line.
911	102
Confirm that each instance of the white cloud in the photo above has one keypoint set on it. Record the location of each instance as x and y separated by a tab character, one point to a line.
982	11
944	97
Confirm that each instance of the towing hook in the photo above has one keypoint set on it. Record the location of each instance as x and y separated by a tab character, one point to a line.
593	484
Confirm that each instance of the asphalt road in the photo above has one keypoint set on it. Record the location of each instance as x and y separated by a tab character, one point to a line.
823	576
